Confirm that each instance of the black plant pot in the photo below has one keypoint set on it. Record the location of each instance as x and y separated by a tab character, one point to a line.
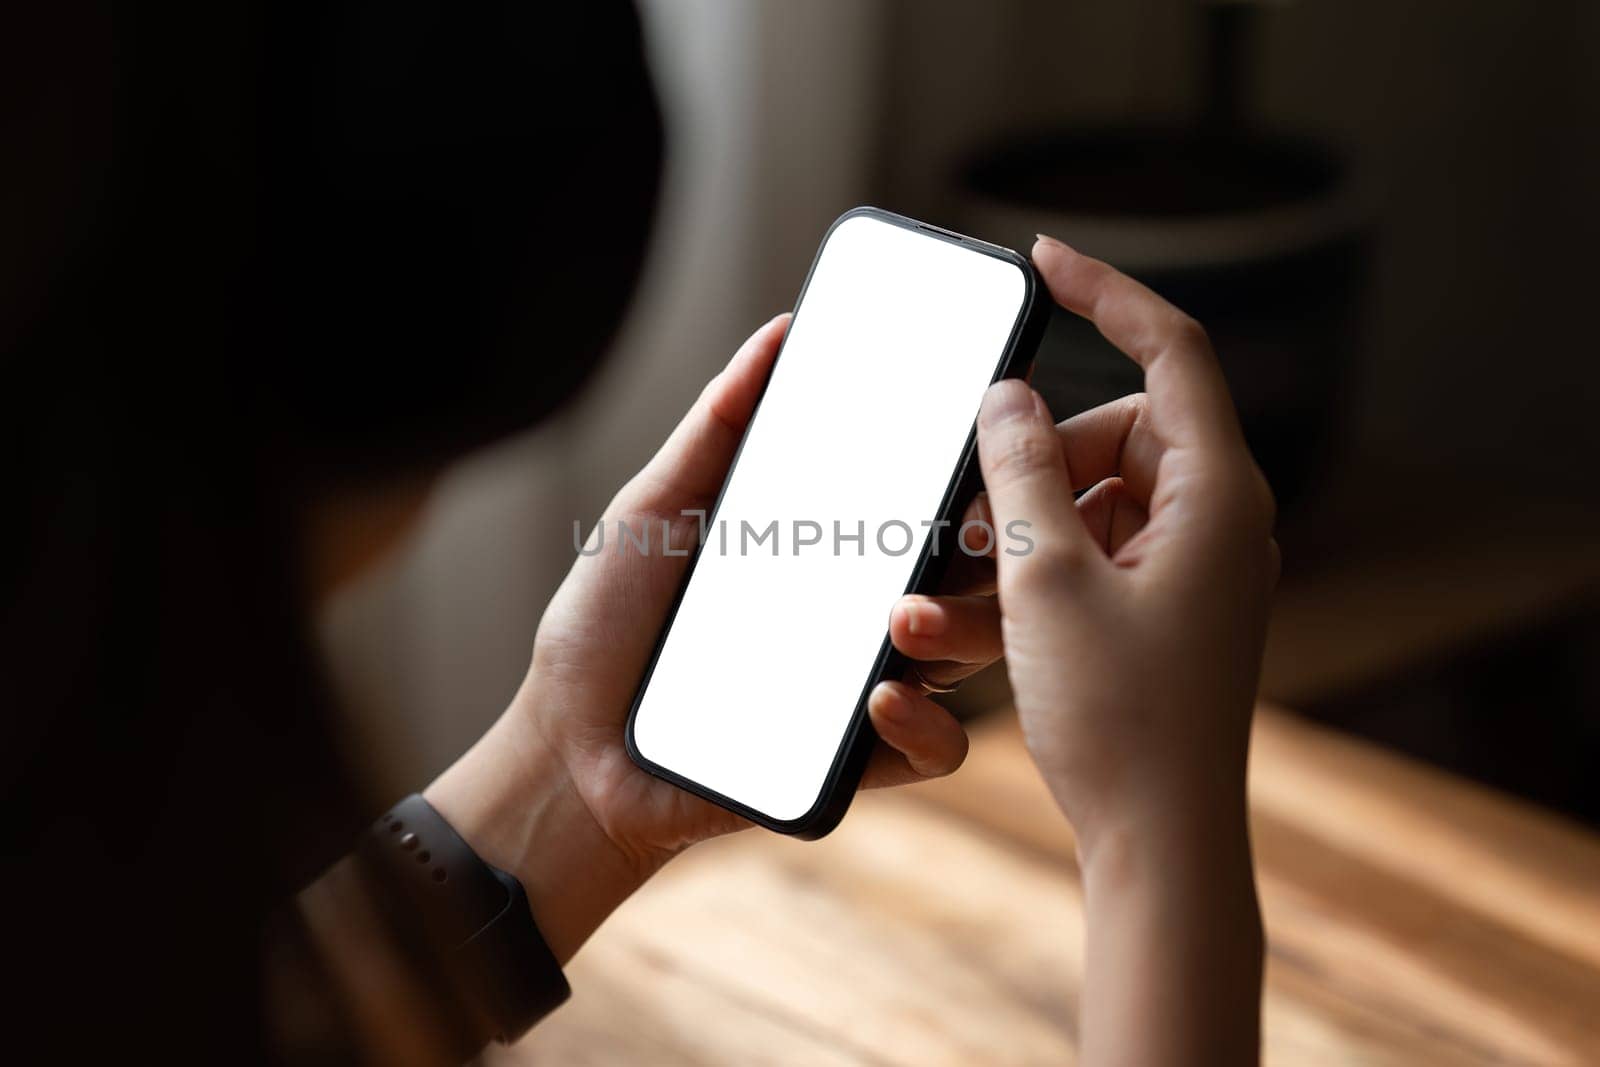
1259	237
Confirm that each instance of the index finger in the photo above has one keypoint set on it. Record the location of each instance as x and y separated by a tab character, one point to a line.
1025	474
1189	400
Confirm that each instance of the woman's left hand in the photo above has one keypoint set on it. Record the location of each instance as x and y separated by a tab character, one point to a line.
550	792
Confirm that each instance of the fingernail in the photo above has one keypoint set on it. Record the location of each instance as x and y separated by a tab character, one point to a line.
1053	242
1005	400
892	704
985	512
979	538
922	618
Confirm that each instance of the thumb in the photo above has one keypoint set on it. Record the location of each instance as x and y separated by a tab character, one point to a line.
690	467
1030	490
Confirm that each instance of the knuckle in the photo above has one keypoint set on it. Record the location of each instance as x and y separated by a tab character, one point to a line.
1056	558
715	414
1191	333
1022	455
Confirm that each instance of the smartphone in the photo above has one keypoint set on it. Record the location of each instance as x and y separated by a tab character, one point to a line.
844	494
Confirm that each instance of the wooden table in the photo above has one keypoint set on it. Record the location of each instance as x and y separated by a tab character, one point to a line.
1412	918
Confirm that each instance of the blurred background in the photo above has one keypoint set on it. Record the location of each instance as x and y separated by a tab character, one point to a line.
1385	213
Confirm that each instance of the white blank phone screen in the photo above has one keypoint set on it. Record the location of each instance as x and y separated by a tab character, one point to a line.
860	430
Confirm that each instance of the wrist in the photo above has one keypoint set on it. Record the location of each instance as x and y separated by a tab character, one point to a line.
512	797
1167	825
1138	845
1173	933
1194	848
1156	804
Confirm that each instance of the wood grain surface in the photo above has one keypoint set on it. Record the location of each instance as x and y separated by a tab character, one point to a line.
1412	918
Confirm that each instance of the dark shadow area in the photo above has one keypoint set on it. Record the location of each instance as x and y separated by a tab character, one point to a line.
1521	713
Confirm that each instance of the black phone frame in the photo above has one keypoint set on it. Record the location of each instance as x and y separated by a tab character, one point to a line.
855	748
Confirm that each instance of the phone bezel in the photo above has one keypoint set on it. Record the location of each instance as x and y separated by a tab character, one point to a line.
855	747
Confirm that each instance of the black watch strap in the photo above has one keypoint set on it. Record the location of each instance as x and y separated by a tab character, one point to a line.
474	913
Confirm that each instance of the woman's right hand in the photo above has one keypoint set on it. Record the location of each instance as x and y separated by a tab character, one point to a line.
1133	630
1132	633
